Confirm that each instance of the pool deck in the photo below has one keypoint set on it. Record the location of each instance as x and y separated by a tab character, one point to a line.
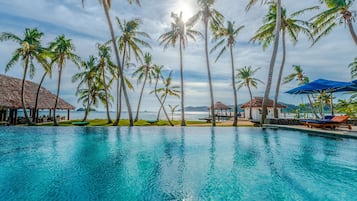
338	132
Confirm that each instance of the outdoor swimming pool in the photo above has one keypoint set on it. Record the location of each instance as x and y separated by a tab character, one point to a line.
162	163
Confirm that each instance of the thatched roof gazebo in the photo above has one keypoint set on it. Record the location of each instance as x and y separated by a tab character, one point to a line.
222	110
10	96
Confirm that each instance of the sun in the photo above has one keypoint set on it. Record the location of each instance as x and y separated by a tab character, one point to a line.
185	7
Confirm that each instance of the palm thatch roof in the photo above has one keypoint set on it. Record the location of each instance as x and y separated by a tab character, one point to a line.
258	102
220	106
10	95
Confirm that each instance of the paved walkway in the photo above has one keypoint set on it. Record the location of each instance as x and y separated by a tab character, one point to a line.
340	131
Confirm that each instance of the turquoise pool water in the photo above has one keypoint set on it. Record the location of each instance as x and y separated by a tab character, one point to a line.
160	163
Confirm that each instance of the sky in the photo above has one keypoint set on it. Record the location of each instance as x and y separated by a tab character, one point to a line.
87	26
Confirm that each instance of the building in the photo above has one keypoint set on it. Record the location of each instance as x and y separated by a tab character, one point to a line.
257	108
10	99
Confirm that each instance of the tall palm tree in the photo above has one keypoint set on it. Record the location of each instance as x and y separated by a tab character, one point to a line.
145	72
300	76
179	32
158	76
227	38
212	17
87	78
29	48
245	78
106	6
62	50
289	25
129	43
338	12
166	90
273	56
104	65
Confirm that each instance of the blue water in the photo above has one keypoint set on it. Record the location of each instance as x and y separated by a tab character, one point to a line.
162	163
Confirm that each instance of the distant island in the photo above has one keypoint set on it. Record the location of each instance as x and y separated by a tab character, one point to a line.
82	110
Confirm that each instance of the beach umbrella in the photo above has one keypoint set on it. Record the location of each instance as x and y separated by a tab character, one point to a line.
329	86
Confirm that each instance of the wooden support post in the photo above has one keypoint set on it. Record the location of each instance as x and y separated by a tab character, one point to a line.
68	114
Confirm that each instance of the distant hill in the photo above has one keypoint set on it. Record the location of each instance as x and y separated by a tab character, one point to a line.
82	109
289	108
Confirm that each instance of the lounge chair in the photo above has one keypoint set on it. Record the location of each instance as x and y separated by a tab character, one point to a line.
336	121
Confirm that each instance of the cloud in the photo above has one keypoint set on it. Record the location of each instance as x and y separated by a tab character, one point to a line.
87	26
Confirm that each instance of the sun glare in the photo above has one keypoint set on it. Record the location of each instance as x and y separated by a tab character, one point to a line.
184	7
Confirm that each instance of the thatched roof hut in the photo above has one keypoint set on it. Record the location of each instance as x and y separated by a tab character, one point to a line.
10	95
220	106
258	102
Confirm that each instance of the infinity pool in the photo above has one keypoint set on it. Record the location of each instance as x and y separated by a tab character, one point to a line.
161	163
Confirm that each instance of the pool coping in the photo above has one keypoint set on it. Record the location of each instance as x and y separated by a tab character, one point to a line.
339	132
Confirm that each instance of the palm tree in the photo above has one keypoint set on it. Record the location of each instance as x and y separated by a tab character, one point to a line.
87	77
167	90
145	72
30	47
106	6
158	76
227	38
173	109
212	17
338	12
180	31
290	26
62	50
105	64
245	78
129	42
273	56
48	71
300	76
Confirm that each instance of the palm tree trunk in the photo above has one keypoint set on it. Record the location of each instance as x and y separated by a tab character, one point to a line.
312	107
353	33
35	116
277	89
272	62
141	95
235	118
57	94
183	122
250	104
89	103
158	114
106	10
209	74
106	96
120	90
23	93
162	104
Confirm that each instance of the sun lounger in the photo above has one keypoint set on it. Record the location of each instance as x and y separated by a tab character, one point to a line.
336	121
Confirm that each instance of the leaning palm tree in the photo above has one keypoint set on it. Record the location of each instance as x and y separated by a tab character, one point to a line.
300	76
179	32
245	78
166	90
106	6
158	76
212	17
86	77
105	64
226	37
47	71
62	50
289	26
30	47
338	12
273	56
129	43
145	72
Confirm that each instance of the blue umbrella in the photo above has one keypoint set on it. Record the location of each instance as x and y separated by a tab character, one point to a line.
319	85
